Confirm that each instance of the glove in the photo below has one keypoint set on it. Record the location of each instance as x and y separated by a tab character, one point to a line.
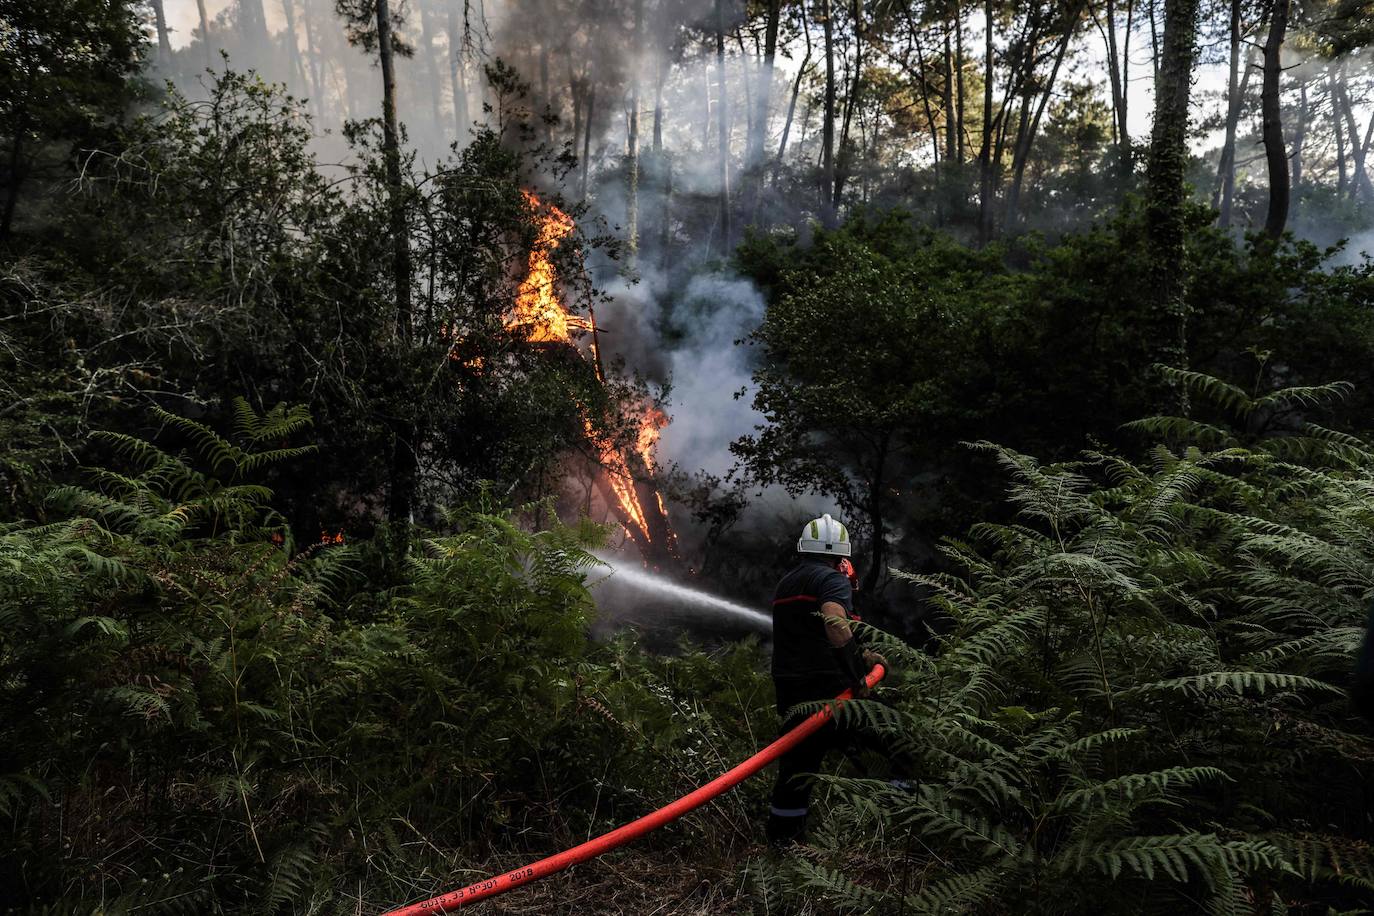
872	658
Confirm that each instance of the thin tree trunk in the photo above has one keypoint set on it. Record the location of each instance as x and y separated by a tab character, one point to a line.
17	171
763	100
1154	39
587	137
985	149
828	120
1166	199
547	120
1272	124
577	90
947	97
253	23
723	131
791	113
932	126
404	446
792	101
1300	135
164	41
1338	128
204	31
1118	84
1361	186
426	51
878	552
844	163
958	81
1234	95
1022	154
658	106
457	76
632	142
293	51
314	65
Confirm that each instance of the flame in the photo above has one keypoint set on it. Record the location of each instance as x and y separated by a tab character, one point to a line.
335	538
540	313
619	478
537	306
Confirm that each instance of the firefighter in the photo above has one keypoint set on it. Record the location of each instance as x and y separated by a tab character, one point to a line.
815	656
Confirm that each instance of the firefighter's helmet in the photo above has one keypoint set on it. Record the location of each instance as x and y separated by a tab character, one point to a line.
824	536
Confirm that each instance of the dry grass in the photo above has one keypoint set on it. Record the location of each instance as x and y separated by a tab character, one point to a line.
636	882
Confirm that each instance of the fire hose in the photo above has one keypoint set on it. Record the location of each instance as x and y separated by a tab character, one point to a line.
635	829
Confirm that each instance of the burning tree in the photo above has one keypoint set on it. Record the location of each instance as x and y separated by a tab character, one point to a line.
625	470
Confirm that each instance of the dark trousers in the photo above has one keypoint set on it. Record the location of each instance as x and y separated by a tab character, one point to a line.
791	799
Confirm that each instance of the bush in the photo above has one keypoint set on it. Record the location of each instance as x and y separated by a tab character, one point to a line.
1141	704
197	713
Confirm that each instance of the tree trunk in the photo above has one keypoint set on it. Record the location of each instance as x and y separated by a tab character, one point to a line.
293	51
426	51
404	445
958	82
1119	97
16	175
1166	198
792	102
632	142
587	137
931	124
1272	124
253	23
1234	95
1022	153
877	556
164	41
658	107
723	131
844	161
1154	38
1361	186
763	101
1338	128
947	98
313	62
985	149
828	121
457	76
204	31
1300	135
547	120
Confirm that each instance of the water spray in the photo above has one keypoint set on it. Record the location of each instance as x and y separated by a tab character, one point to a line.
688	598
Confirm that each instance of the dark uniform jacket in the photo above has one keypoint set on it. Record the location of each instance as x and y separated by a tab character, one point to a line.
806	666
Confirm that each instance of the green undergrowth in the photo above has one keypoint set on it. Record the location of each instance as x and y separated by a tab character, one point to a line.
1139	705
199	715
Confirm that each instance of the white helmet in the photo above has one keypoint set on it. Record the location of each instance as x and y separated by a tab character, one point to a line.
825	536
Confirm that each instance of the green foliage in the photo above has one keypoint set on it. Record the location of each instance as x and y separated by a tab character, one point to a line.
1139	702
885	345
197	712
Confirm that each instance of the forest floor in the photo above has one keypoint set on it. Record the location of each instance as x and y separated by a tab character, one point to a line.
652	882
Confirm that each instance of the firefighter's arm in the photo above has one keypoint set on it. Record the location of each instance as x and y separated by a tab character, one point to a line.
841	637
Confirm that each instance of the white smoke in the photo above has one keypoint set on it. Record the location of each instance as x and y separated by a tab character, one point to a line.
711	372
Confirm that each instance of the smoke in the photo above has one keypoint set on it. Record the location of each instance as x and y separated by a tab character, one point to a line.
1358	252
711	372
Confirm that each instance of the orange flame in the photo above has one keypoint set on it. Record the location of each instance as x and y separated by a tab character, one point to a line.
537	306
618	477
540	313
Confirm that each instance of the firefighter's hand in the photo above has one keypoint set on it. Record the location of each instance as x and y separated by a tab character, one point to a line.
872	658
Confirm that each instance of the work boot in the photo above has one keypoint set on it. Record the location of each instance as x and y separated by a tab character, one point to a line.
786	827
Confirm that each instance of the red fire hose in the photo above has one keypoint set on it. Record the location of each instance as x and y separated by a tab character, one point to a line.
635	829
